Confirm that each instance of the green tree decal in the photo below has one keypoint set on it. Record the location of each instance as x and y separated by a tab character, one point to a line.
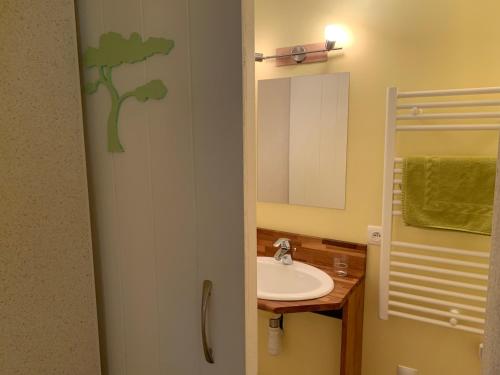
114	50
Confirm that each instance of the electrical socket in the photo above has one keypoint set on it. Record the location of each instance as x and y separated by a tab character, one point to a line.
374	234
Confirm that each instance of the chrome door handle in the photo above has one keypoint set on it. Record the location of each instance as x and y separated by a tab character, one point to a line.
207	291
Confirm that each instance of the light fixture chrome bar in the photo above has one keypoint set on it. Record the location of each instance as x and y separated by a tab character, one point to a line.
259	57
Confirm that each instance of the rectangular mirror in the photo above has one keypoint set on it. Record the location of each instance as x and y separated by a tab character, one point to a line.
302	140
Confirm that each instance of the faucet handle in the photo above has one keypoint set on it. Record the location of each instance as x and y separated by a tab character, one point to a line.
287	260
283	243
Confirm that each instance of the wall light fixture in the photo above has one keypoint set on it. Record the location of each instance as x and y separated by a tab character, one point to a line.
308	53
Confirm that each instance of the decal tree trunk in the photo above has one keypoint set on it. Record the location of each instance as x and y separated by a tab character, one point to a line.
114	50
114	144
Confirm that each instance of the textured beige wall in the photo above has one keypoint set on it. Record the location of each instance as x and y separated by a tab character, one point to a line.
47	304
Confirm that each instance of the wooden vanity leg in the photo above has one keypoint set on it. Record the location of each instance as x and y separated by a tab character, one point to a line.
352	332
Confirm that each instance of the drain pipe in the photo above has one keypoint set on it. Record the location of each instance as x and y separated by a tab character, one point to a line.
275	335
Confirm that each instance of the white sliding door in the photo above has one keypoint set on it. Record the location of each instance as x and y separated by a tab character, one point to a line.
168	211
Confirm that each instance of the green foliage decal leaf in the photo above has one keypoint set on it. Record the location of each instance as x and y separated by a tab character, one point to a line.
91	87
151	90
115	50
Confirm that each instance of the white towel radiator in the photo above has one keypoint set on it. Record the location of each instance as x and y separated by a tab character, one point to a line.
433	284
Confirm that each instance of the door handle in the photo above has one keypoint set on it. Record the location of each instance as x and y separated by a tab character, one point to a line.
207	292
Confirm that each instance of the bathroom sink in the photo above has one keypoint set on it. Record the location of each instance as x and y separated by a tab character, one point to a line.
295	282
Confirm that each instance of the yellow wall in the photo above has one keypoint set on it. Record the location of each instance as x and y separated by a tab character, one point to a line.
251	338
413	45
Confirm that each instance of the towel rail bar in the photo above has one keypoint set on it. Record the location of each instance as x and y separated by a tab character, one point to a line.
436	301
442	271
481	288
451	104
436	322
449	116
448	250
452	92
441	260
443	292
458	127
438	312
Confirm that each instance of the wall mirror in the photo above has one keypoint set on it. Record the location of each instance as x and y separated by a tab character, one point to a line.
302	140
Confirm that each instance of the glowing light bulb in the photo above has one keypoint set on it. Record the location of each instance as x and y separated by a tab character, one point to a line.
336	34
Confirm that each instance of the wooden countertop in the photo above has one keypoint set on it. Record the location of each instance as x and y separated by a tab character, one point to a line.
317	252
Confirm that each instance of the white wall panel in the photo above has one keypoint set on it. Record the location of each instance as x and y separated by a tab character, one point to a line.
273	137
318	140
306	102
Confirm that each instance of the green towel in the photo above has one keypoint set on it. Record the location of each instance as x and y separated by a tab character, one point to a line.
454	193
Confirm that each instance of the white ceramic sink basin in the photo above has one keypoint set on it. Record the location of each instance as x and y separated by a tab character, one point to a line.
295	282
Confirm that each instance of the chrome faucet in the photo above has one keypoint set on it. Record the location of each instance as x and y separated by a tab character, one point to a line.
282	254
